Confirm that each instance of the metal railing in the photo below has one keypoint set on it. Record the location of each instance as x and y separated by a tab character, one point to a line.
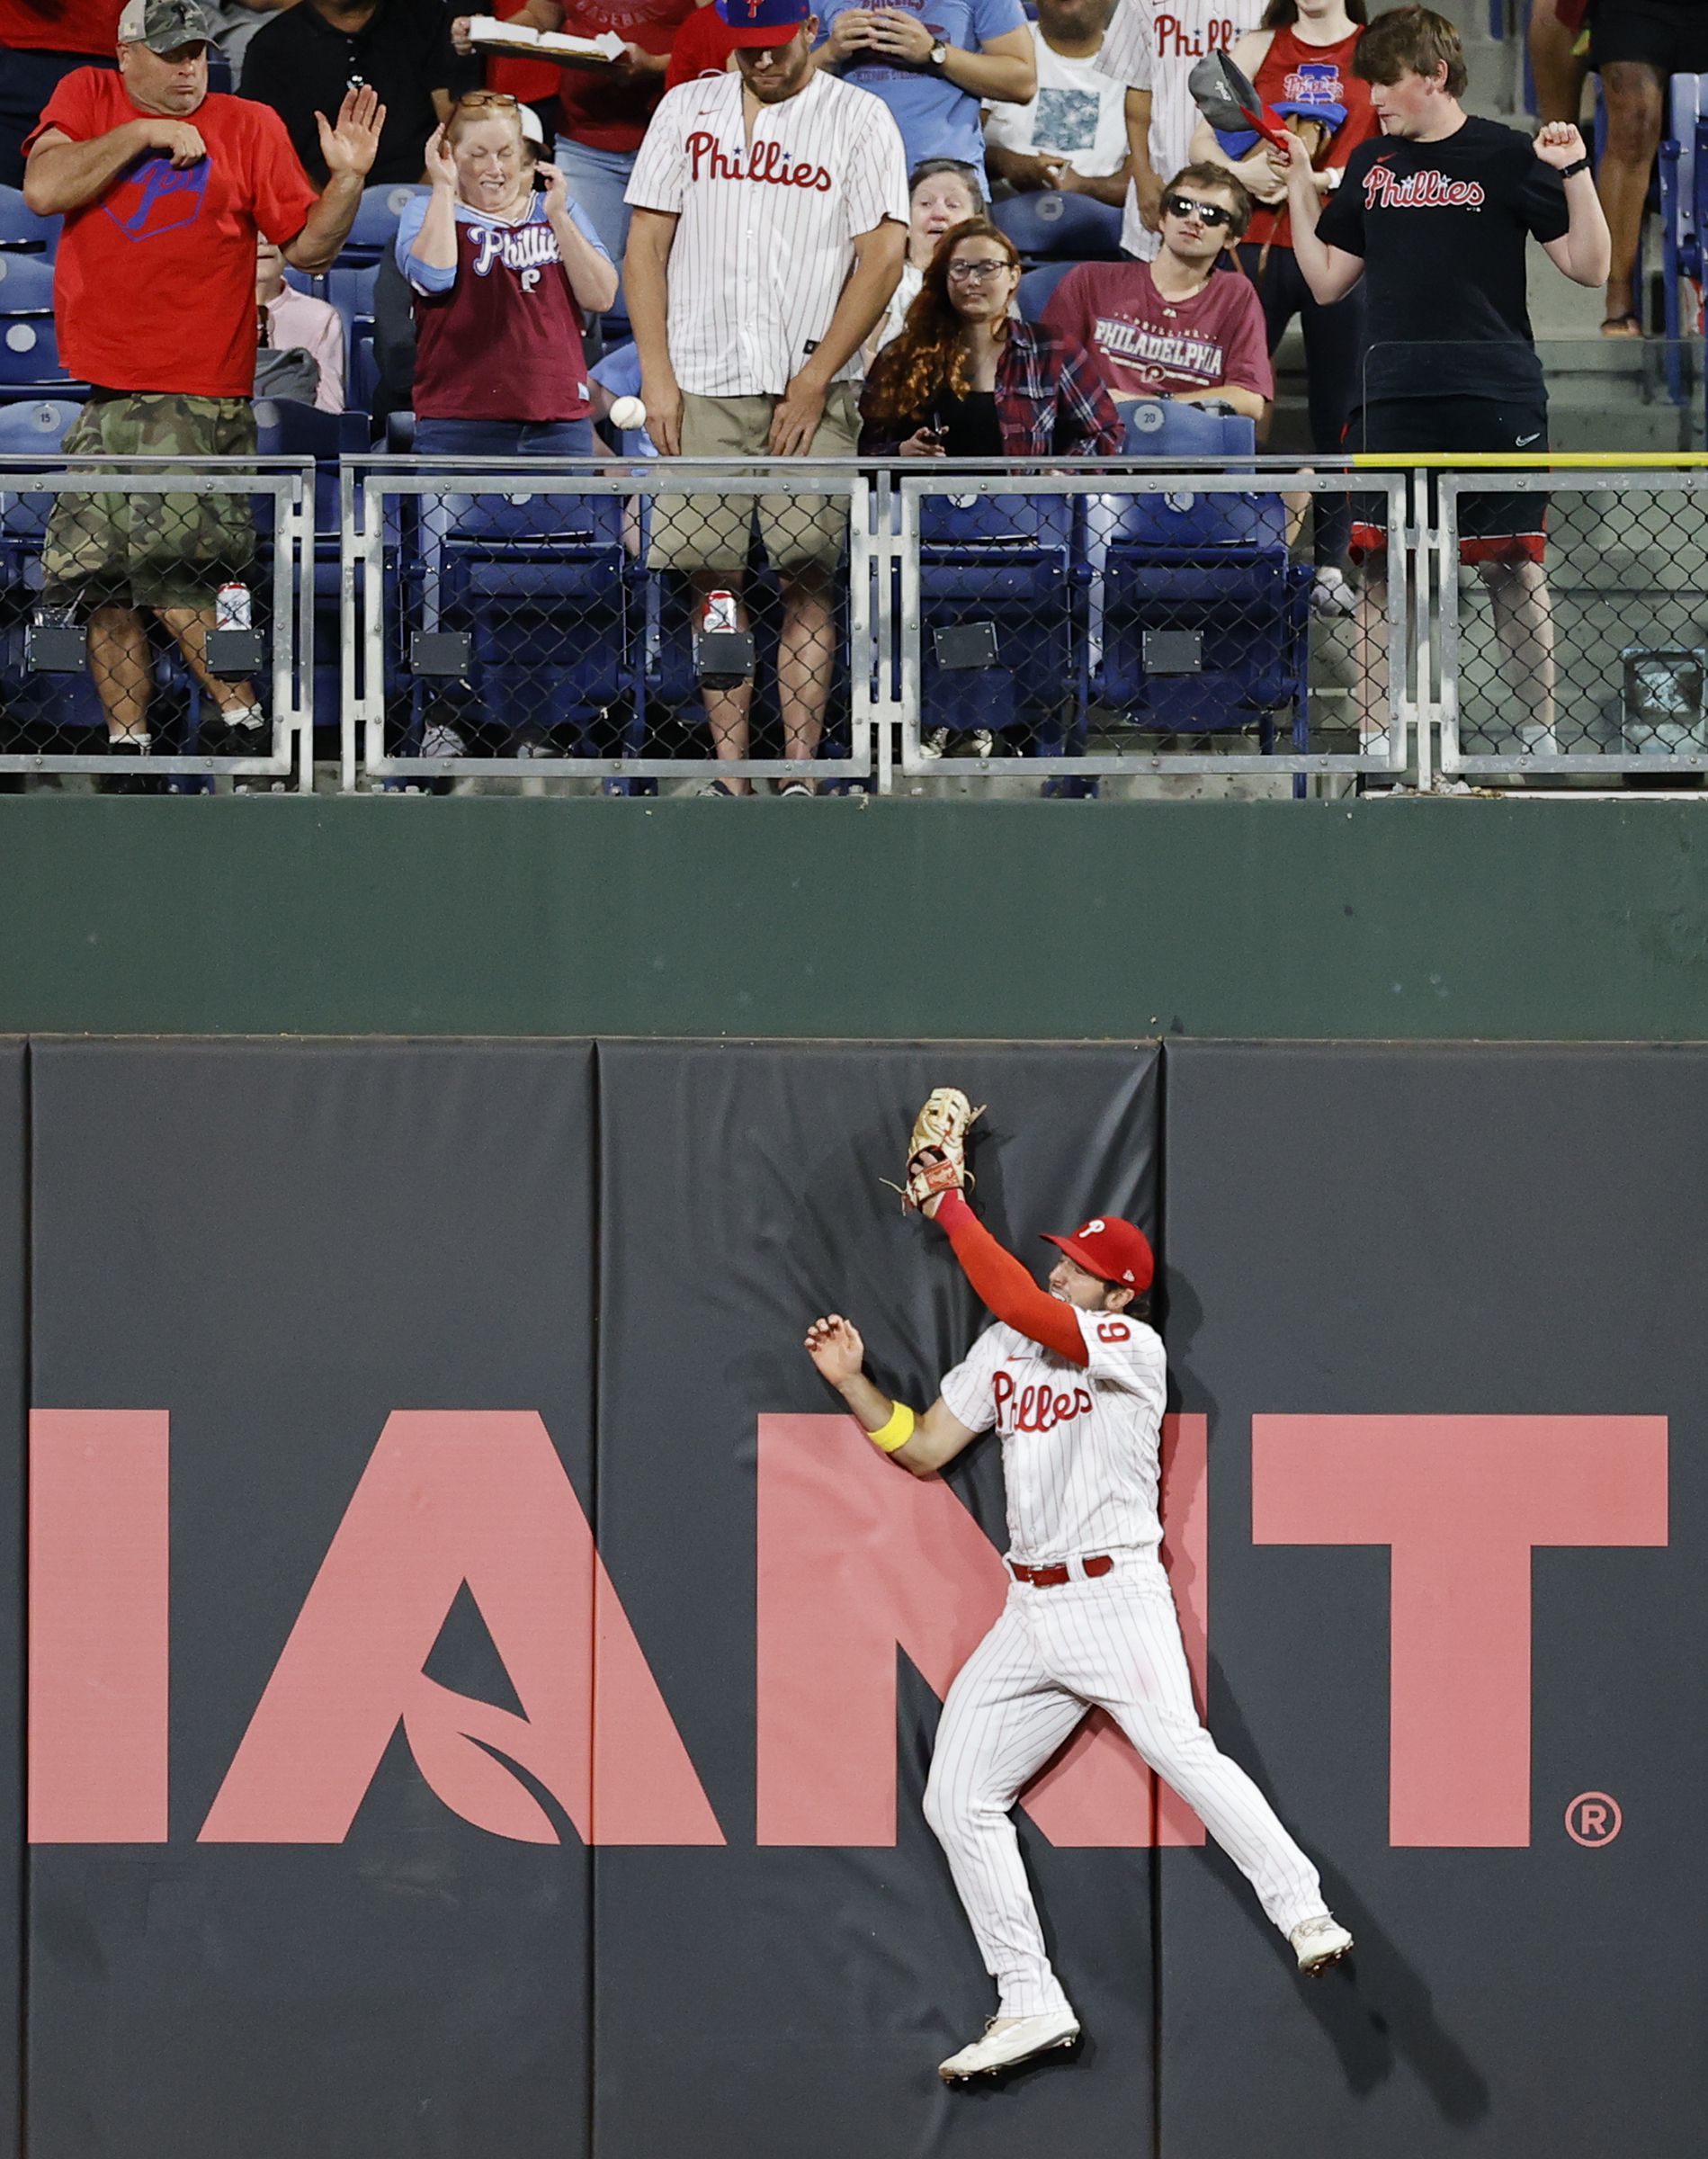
108	526
1072	624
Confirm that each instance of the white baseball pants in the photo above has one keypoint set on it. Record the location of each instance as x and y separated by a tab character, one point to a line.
1113	1643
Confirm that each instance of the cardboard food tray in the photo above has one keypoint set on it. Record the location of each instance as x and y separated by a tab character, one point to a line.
487	34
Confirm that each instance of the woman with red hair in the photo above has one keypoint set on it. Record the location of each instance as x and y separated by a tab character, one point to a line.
965	378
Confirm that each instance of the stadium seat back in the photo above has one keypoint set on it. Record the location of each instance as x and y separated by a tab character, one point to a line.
21	228
29	351
26	284
1051	226
375	225
1037	287
29	427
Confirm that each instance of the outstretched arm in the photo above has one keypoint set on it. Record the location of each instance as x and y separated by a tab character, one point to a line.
1002	1282
834	1347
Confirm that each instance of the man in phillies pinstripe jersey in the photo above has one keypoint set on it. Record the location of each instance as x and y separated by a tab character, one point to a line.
770	223
1152	46
1073	1381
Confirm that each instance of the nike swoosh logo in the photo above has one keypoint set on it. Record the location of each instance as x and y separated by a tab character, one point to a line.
1525	441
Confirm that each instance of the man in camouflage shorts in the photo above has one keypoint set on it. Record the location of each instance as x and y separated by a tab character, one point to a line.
154	297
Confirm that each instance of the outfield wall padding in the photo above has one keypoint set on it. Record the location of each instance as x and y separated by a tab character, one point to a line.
483	1688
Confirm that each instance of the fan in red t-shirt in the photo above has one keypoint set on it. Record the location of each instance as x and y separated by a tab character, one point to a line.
1177	327
163	189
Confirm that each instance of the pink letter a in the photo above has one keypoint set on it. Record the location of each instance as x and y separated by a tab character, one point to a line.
452	1497
857	1558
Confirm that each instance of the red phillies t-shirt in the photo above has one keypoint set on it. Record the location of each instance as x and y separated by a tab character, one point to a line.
1294	72
1150	347
61	25
702	47
505	342
155	283
601	110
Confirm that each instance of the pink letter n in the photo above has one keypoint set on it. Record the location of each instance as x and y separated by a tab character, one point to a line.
1461	1501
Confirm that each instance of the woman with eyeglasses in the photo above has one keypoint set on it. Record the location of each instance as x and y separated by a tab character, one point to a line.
1300	63
503	265
966	379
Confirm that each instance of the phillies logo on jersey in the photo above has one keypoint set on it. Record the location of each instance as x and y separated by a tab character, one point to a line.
1313	83
1176	42
156	198
1385	190
1036	1408
518	248
768	162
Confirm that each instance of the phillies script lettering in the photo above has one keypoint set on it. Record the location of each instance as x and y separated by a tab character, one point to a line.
765	161
518	248
1385	190
1175	41
1036	1408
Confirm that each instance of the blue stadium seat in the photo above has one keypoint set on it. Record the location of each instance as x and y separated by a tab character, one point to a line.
1681	169
1012	561
547	593
285	428
30	358
1215	565
37	708
21	228
33	427
26	284
1036	287
1052	228
376	222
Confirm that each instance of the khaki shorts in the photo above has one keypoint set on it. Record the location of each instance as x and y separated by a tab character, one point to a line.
151	550
709	531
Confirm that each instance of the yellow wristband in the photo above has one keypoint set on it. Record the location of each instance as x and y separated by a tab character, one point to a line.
898	1432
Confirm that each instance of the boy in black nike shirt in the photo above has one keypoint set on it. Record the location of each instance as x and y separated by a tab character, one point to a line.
1434	215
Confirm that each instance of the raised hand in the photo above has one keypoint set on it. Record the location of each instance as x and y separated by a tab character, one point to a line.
460	36
176	140
441	166
351	146
1559	144
557	189
834	1347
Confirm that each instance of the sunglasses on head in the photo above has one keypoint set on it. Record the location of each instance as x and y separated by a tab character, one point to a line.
488	97
1207	213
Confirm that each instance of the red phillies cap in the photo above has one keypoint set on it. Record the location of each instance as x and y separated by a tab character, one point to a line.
1112	1250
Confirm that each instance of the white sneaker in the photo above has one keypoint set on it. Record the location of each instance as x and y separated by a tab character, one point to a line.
1009	2041
934	742
1320	1942
1331	595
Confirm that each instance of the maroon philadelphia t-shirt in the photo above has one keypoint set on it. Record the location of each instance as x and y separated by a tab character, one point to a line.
505	342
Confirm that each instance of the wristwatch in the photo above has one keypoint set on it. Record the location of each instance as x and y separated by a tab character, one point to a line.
939	54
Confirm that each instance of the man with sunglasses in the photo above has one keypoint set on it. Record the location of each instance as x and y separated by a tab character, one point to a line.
1176	328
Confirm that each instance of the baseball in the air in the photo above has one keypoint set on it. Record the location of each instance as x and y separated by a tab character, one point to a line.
627	412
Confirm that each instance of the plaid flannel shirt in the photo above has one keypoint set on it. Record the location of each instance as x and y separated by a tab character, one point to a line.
1052	401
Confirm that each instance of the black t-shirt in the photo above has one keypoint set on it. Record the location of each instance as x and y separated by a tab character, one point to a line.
299	63
971	424
1442	226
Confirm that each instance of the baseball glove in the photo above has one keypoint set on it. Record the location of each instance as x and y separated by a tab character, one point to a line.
937	1149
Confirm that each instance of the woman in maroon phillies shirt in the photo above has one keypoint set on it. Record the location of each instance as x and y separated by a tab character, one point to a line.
501	263
1300	63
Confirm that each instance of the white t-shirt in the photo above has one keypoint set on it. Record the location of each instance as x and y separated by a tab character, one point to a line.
1078	112
1081	1449
765	232
1153	48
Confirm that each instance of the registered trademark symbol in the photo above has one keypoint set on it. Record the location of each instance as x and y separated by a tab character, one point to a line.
1593	1820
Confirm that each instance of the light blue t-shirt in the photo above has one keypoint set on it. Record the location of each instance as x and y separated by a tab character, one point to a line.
426	278
936	119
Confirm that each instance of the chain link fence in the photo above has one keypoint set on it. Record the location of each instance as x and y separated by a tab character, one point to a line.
152	635
1141	619
551	620
1580	650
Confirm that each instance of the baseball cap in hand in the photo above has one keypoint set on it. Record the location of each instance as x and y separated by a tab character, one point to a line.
1112	1250
163	25
763	22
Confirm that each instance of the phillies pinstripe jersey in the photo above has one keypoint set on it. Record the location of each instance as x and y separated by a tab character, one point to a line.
1079	1447
1152	46
766	229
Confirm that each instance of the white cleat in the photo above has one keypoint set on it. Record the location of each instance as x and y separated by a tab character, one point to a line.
1009	2041
1320	1942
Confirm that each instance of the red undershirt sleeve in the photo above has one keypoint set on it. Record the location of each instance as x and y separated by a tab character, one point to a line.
1005	1286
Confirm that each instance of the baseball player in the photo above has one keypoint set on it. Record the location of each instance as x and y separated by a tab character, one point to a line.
1151	47
1073	1380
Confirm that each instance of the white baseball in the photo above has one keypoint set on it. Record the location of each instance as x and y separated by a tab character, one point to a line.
627	412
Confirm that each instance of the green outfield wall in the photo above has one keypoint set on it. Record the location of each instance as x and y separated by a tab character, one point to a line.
1452	919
